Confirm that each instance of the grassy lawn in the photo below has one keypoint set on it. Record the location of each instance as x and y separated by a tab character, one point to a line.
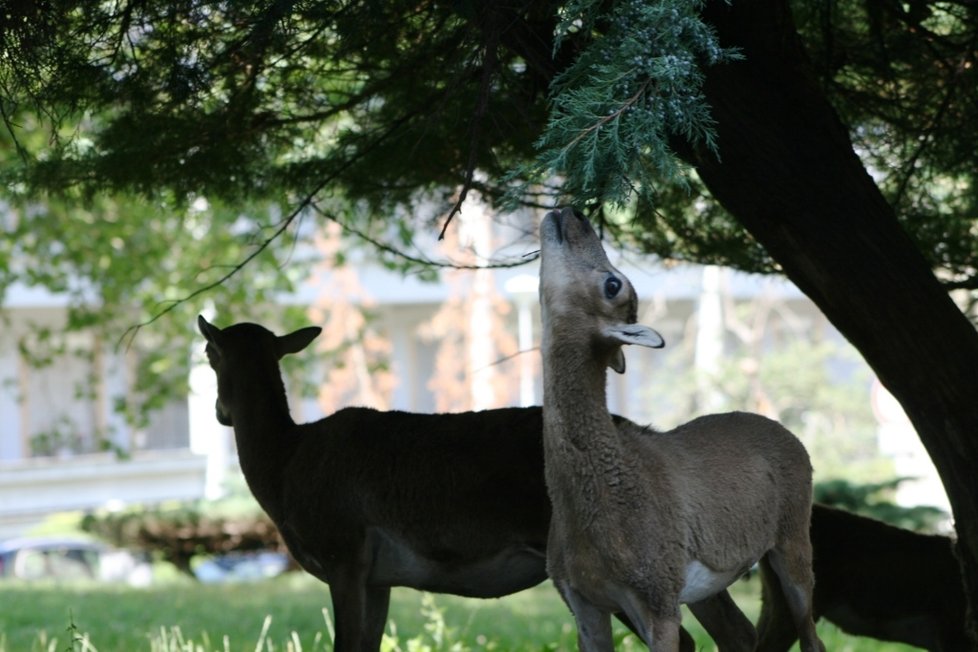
286	614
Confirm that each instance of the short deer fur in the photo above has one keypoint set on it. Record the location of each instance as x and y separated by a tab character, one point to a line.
644	521
873	579
366	500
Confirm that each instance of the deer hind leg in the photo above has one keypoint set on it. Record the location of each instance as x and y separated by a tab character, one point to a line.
776	631
725	623
791	561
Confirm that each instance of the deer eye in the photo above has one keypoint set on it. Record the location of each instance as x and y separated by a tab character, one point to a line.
612	286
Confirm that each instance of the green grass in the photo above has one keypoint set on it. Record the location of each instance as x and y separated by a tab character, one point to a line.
287	615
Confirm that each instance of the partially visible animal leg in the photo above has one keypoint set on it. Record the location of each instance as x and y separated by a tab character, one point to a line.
375	614
686	641
725	623
791	561
593	625
348	592
661	632
664	634
776	630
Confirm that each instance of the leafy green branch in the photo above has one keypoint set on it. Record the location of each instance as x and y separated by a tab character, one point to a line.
637	84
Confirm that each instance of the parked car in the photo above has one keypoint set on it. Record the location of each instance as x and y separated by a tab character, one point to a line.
241	566
70	558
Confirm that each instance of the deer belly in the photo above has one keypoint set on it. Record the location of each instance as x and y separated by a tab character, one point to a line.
702	582
505	571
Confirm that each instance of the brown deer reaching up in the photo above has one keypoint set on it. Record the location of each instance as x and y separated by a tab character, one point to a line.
873	579
367	500
644	521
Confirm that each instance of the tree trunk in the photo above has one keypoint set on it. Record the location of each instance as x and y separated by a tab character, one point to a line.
789	174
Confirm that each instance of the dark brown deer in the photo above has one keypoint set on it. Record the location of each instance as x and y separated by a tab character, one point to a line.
367	500
876	580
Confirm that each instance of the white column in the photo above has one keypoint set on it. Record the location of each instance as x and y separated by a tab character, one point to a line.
10	410
474	225
709	338
523	289
207	436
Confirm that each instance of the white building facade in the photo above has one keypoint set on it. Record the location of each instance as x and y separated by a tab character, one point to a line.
467	342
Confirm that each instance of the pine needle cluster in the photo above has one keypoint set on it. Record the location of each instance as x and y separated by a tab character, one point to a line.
637	83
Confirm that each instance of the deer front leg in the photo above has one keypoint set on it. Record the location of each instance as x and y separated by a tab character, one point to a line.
725	623
593	625
686	641
348	590
660	629
663	633
378	602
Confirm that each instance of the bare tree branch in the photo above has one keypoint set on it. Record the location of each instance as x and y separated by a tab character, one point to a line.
489	62
130	334
418	260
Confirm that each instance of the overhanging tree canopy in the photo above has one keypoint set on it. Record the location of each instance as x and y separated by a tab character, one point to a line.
381	100
841	142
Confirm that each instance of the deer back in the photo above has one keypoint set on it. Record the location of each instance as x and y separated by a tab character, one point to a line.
763	468
877	580
410	474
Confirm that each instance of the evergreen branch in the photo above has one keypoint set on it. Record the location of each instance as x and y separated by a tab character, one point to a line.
481	108
614	115
12	130
925	140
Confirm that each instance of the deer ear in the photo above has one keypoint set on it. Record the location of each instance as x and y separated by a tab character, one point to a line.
617	360
208	330
297	340
634	334
630	334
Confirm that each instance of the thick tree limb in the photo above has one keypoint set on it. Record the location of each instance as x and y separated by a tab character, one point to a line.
787	171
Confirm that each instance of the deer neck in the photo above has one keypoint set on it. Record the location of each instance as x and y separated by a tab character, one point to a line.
265	434
575	405
585	462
